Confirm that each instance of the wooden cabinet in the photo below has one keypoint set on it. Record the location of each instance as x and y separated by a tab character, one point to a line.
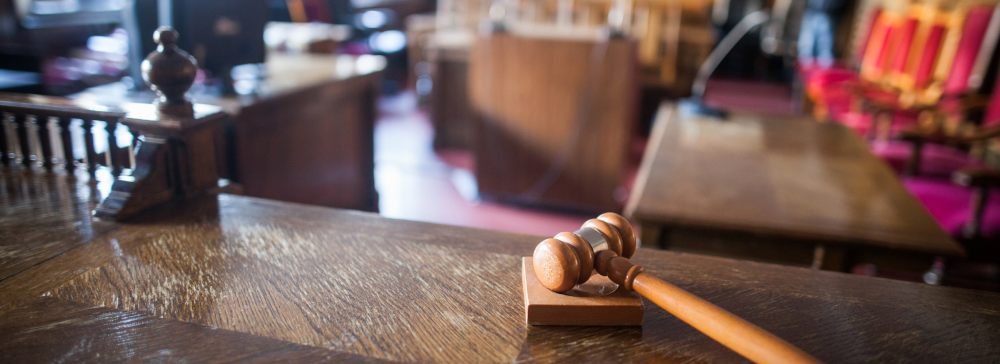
555	119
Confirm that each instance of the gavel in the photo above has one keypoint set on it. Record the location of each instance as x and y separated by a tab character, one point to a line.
604	244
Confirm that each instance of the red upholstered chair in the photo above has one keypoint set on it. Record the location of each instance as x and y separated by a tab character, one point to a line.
933	153
931	58
956	45
957	99
967	204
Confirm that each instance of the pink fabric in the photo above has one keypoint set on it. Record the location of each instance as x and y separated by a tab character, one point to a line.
936	160
949	204
973	32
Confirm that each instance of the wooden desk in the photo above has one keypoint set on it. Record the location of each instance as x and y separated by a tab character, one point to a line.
233	278
44	214
778	189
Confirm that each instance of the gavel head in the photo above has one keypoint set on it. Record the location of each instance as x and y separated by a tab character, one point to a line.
567	260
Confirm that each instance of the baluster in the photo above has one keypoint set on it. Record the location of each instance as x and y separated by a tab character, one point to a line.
67	143
44	140
114	159
88	141
131	148
4	149
21	123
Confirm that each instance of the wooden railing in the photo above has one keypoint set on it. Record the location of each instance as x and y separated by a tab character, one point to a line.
168	156
38	132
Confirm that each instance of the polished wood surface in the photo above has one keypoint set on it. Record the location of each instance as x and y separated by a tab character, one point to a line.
43	215
271	281
555	119
767	179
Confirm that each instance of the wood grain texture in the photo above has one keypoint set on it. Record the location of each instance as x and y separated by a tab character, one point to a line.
527	93
399	290
53	330
779	177
42	215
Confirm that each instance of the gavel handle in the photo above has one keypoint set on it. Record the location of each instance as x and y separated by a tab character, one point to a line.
735	333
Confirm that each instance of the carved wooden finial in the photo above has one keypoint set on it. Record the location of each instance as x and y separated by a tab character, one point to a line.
170	71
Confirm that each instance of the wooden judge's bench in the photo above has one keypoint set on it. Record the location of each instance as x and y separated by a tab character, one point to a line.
232	278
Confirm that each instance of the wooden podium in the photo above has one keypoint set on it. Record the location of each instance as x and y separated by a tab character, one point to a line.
528	94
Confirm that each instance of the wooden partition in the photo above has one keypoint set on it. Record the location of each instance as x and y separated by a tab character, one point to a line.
309	138
555	119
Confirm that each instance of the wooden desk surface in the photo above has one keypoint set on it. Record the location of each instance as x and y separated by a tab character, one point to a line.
779	176
43	215
231	278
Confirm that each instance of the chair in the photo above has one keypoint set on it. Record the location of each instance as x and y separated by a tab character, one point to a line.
967	204
931	58
950	53
830	89
955	95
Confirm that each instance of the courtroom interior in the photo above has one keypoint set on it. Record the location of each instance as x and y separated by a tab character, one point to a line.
472	181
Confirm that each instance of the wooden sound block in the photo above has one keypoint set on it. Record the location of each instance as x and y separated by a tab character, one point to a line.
588	304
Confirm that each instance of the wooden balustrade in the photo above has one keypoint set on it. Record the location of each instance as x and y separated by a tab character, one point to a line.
33	145
168	157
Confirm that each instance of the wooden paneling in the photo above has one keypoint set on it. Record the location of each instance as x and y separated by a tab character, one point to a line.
783	179
312	145
529	94
308	136
289	282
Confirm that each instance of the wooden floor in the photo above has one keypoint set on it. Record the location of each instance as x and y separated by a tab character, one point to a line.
231	278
